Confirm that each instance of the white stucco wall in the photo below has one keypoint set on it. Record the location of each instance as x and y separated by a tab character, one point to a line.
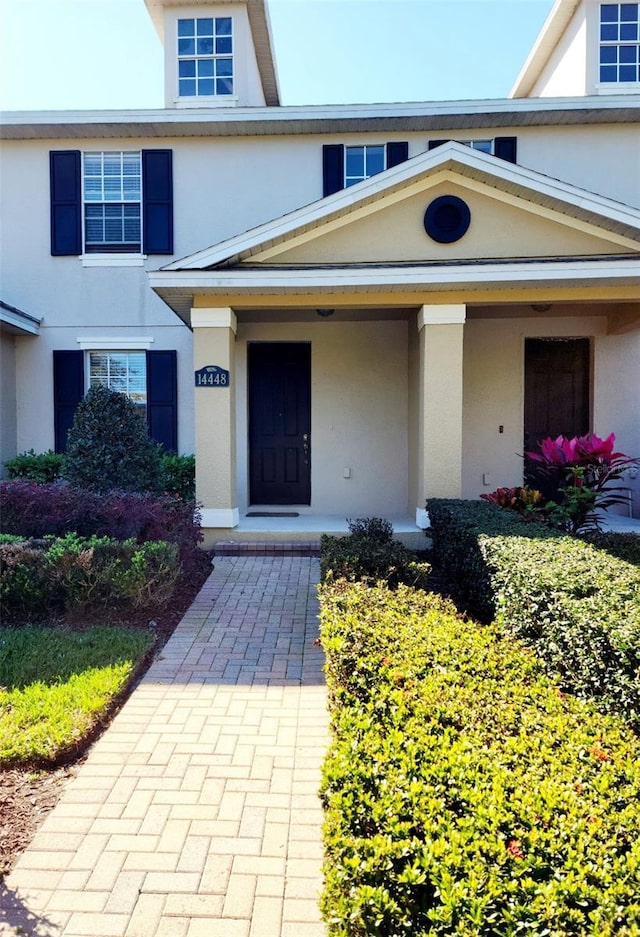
359	406
565	74
7	398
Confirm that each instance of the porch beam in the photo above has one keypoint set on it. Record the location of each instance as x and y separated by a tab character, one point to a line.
214	334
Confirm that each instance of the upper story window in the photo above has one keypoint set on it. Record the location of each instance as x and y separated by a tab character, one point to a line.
619	42
112	190
361	162
205	56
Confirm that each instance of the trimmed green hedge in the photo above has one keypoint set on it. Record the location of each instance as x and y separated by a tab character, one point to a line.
465	794
575	601
369	552
73	573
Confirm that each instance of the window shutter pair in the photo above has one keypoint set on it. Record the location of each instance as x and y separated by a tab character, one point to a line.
65	172
333	163
503	147
162	395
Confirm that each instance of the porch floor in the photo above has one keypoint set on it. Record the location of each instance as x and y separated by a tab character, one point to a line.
308	528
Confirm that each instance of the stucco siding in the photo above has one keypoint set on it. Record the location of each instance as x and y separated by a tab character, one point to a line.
8	424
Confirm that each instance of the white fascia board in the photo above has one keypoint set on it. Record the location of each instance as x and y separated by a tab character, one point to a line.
403	278
319	117
456	155
552	29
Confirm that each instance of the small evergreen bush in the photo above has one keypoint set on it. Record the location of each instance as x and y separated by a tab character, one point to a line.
179	475
108	446
37	467
370	553
465	795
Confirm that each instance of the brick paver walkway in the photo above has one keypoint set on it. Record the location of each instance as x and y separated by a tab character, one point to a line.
197	813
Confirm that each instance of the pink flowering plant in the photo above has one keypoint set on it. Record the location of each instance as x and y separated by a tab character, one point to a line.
584	472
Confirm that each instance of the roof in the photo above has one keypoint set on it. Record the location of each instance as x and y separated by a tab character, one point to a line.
255	262
336	118
17	321
554	26
260	31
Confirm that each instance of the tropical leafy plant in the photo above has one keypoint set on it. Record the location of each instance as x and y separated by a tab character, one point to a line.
583	471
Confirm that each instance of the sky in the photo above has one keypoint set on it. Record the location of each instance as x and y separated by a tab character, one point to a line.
106	54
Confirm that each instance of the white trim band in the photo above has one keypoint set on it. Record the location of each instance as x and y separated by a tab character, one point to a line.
223	318
113	260
108	343
220	517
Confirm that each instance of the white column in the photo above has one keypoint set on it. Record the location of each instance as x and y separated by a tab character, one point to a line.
441	331
214	334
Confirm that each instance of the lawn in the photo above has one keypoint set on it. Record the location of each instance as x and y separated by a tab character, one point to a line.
58	685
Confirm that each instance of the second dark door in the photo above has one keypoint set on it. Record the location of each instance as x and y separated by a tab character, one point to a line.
279	422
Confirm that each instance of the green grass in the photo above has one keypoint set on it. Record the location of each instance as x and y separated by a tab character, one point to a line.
56	685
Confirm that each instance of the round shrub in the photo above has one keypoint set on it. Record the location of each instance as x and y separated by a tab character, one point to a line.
108	446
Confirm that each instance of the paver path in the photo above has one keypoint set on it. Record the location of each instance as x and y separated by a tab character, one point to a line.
196	813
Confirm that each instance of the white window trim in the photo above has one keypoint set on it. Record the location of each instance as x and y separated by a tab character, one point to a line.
113	260
618	87
196	100
207	100
107	343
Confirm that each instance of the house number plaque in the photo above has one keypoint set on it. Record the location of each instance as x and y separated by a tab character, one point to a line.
212	376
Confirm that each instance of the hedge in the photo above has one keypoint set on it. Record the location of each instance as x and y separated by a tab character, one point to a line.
464	793
36	510
577	602
68	574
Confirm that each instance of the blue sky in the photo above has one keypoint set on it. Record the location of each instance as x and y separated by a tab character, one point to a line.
76	54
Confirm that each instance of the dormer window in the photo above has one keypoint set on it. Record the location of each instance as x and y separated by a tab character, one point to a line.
619	42
205	56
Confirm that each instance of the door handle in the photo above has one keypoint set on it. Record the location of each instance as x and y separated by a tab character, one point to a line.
305	445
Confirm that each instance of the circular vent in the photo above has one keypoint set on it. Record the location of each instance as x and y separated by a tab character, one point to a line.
447	219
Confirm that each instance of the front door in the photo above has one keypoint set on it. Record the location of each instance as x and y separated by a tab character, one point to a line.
556	394
279	422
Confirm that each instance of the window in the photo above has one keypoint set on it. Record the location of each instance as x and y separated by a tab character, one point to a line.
619	42
205	56
361	162
112	201
122	371
484	146
343	166
503	147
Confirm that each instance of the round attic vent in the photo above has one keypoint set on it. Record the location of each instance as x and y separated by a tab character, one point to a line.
447	219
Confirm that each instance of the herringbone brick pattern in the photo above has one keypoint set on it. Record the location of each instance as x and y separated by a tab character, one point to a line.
197	813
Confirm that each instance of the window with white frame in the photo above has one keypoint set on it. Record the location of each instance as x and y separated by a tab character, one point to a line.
484	146
205	56
619	42
122	371
361	162
112	195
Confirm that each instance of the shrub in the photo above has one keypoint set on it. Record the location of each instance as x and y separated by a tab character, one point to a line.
108	446
41	467
34	510
179	475
71	573
370	553
576	603
464	794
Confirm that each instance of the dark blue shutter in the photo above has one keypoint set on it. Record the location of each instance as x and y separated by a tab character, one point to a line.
157	202
432	144
506	148
332	168
397	153
68	391
65	178
162	398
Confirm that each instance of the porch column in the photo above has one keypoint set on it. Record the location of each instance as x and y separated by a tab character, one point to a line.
440	404
214	336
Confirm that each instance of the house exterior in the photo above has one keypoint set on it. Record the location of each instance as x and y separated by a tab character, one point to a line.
342	310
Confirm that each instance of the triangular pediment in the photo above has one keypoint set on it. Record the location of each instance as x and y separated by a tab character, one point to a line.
514	213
